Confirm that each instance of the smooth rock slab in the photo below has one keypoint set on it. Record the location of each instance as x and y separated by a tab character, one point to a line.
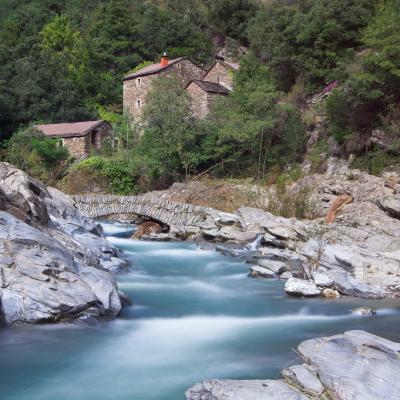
356	365
321	279
391	205
243	390
301	287
257	271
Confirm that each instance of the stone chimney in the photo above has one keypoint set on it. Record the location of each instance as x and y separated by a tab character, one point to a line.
164	60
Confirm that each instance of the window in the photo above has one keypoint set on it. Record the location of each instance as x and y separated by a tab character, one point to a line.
138	103
139	82
62	143
218	79
76	139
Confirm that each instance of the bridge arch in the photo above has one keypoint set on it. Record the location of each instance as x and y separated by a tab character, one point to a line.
150	206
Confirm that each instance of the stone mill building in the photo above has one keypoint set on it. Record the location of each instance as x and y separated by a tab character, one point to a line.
80	138
203	86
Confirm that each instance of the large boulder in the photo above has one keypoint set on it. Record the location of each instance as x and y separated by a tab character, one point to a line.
243	390
54	261
22	196
391	205
42	281
356	365
353	366
301	287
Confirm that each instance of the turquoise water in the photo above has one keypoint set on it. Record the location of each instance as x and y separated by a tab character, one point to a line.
195	315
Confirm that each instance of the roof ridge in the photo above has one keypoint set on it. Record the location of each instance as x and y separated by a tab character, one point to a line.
152	68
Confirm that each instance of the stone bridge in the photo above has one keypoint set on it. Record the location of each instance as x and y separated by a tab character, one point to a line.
151	206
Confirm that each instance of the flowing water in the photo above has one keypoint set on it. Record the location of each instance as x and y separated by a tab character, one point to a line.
196	315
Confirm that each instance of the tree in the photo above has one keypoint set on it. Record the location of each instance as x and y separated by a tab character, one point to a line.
373	87
251	126
170	139
312	39
38	155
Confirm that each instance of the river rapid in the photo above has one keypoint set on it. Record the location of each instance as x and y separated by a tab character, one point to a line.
196	315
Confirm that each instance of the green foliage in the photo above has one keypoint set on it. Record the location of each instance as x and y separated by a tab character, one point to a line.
115	173
374	86
318	154
59	60
170	140
290	201
251	125
231	17
375	162
41	157
313	39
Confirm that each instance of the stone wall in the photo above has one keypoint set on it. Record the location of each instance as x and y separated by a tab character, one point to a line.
137	88
102	133
80	147
77	146
198	100
220	73
201	101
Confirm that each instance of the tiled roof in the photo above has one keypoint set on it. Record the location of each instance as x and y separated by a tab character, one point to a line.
72	129
152	69
212	87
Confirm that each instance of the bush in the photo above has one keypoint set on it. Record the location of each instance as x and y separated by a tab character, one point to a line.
111	175
375	162
38	155
289	202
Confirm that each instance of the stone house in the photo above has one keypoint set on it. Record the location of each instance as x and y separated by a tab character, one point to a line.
137	85
203	87
80	138
203	95
222	72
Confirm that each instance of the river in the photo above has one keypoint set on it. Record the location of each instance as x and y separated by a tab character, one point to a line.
196	315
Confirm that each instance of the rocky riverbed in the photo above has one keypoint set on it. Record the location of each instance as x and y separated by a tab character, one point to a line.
356	253
55	263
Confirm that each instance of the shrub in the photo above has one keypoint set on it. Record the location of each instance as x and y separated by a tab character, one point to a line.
111	175
375	162
38	155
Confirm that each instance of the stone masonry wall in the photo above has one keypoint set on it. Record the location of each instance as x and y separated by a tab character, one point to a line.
77	146
201	101
80	147
219	73
102	132
149	205
198	100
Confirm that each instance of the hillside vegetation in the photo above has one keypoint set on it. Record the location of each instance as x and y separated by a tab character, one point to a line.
64	60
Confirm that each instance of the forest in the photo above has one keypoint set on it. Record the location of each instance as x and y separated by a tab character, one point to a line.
64	61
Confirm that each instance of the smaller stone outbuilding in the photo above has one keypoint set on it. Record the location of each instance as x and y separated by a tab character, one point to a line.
80	138
203	95
222	72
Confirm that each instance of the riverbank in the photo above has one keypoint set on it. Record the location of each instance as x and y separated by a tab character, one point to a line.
55	263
